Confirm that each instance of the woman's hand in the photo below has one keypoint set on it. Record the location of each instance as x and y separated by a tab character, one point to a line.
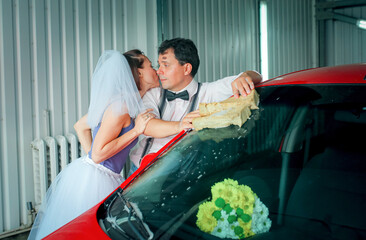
141	121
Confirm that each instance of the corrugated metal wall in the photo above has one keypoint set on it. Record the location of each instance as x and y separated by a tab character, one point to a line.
48	49
225	32
345	43
291	36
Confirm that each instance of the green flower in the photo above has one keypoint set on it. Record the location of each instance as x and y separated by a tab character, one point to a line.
227	208
246	218
220	202
232	219
238	230
239	211
217	214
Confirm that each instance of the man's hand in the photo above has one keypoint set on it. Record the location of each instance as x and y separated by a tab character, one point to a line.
186	122
244	84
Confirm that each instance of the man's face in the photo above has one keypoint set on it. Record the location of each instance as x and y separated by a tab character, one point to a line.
172	75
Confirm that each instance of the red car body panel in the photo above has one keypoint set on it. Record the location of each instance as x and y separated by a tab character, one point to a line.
86	226
343	74
83	227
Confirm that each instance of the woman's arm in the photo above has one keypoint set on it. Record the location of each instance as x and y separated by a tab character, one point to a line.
158	128
84	133
107	143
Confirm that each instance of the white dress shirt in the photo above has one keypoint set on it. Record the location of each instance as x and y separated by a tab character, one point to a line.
176	110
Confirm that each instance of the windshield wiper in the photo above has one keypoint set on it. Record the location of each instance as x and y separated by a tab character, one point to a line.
128	215
144	230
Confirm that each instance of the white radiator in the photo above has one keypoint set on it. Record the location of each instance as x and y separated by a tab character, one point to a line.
50	156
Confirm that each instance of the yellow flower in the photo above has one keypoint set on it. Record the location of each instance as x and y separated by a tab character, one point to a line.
246	199
227	189
205	221
232	182
248	193
247	227
237	195
217	190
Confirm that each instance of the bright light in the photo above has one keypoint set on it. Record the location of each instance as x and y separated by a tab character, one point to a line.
264	40
361	23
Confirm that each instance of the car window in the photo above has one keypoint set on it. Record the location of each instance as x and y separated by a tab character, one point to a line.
297	157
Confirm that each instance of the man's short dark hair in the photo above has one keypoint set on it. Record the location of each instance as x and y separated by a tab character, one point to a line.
185	51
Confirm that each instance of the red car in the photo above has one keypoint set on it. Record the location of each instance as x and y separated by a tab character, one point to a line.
303	152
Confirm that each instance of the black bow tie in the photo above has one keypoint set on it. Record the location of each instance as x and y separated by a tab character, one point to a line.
171	96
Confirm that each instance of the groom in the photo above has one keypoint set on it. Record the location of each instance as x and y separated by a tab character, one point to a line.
178	64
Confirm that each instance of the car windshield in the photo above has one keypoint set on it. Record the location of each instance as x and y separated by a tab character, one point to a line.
301	152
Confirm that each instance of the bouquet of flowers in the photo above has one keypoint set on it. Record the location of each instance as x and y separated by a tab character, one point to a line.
235	211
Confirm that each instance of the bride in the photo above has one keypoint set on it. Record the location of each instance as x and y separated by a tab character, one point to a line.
117	117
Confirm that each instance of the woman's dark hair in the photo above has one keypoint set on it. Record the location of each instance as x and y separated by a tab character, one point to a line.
138	55
185	51
135	59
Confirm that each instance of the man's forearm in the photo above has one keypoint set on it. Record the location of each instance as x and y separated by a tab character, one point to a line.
158	128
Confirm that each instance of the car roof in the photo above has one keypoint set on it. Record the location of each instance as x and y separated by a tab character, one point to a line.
342	74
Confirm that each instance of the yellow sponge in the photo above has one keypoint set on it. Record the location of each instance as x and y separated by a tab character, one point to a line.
222	114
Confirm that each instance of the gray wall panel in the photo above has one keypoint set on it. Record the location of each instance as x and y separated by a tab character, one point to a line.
68	64
53	25
343	41
82	73
224	31
24	98
290	36
347	41
10	187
